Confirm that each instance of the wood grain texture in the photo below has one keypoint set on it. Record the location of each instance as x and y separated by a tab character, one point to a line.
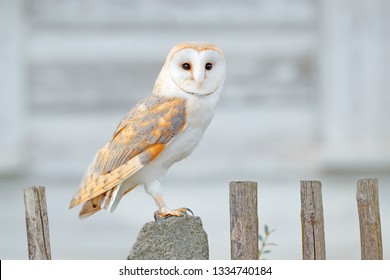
244	228
37	223
369	219
312	219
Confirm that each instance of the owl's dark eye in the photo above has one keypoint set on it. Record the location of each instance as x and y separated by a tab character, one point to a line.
208	66
186	66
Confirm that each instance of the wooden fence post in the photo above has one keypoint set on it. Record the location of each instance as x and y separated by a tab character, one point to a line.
37	223
244	224
369	219
312	219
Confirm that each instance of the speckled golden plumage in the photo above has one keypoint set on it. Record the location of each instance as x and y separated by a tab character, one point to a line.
140	137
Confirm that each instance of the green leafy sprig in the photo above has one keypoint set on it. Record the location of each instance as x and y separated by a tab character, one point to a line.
263	242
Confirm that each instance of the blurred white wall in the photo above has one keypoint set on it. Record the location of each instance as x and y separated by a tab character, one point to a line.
12	86
306	97
354	76
316	71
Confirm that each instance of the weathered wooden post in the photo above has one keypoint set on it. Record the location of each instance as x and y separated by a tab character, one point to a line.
312	219
37	223
369	219
244	224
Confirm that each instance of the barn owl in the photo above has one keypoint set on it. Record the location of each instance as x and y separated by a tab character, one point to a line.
160	130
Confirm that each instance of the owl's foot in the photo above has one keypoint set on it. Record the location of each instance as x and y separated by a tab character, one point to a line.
165	213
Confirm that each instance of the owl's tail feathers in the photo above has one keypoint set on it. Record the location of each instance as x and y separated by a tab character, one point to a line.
97	203
99	185
89	208
108	201
114	196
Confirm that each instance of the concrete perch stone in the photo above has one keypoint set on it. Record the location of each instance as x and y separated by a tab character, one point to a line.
175	238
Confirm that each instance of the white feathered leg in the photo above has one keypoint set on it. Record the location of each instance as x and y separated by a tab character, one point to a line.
154	189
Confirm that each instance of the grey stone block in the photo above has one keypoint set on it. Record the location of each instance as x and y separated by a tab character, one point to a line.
175	238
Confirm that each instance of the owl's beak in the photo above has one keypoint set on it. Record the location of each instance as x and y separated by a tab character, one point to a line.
199	77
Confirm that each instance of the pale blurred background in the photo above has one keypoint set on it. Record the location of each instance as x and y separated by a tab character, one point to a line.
307	96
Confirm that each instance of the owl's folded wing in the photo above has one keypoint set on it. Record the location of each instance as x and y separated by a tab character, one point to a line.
140	137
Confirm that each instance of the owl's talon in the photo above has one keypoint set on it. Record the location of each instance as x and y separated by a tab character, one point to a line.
156	216
186	210
166	213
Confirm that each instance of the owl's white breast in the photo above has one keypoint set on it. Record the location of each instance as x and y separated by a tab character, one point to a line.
199	113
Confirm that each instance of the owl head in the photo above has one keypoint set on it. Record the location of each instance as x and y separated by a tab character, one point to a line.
192	68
